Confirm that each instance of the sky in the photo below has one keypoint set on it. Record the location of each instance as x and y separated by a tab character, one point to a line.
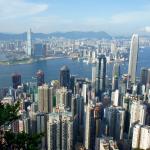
116	17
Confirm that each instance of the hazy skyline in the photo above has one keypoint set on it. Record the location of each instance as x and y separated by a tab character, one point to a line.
115	17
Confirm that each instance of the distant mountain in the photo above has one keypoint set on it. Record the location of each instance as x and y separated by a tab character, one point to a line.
81	35
69	35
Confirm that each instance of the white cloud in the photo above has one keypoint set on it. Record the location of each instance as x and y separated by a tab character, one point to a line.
20	8
147	29
131	17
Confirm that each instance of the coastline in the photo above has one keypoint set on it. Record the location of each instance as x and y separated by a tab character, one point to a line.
28	61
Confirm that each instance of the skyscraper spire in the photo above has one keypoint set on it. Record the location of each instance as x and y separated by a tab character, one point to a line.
133	57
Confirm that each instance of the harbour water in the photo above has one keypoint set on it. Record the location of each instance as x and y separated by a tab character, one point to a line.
51	68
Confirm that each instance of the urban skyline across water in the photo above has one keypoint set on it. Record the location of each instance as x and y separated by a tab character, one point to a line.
51	68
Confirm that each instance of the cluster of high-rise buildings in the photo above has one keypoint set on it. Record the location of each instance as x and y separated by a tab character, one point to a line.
87	114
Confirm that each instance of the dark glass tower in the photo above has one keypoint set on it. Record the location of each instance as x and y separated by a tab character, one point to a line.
65	77
100	75
144	76
16	80
40	77
115	76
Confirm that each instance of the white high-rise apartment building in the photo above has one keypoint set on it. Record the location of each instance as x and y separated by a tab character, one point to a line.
136	136
145	138
141	137
138	113
60	131
67	131
133	57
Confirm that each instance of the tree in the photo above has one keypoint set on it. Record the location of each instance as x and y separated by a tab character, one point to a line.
15	141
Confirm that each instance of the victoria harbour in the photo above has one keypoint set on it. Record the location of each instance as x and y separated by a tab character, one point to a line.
51	68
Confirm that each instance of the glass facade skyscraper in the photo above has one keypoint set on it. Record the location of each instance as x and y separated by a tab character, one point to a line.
100	75
133	57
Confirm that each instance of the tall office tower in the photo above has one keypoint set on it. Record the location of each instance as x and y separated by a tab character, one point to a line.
63	97
77	110
133	58
53	131
65	76
80	110
115	76
148	78
87	128
93	76
145	137
120	122
72	83
115	117
89	133
100	75
60	131
98	117
144	76
29	43
110	114
40	77
39	50
41	128
16	80
45	101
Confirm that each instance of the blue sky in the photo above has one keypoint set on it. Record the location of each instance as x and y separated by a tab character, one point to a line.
118	17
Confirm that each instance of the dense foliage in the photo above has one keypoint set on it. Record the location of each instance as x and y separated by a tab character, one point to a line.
15	141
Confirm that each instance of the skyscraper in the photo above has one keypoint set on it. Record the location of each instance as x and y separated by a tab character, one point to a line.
144	76
66	131
29	43
93	76
137	115
63	97
39	50
53	131
45	98
41	128
133	57
141	137
16	80
64	76
115	76
145	137
100	75
60	131
40	77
